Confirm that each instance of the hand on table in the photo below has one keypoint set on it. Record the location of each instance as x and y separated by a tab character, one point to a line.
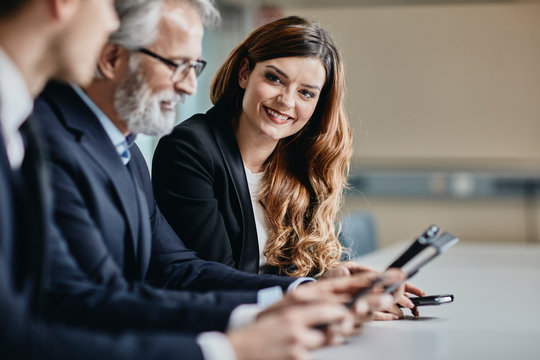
393	312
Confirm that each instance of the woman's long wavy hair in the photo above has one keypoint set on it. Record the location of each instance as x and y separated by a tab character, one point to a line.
306	174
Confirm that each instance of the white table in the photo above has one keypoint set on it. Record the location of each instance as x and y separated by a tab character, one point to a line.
495	314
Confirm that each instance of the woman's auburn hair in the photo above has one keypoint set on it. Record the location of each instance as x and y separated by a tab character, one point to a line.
305	176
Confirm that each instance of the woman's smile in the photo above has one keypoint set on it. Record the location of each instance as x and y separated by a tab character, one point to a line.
276	116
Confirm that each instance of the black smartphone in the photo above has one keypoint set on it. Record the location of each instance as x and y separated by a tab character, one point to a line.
432	299
419	244
410	262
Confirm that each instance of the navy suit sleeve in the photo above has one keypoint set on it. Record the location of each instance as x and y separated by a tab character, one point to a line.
75	300
173	266
183	178
23	337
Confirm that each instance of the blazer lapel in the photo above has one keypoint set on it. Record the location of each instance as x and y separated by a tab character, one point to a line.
224	135
78	118
145	231
98	147
35	203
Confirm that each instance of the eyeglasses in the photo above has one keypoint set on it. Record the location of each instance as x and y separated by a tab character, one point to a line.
181	70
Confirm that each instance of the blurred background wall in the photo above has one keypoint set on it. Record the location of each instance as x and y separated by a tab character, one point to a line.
444	101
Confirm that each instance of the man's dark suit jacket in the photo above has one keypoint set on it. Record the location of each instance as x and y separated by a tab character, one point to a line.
200	185
24	220
109	218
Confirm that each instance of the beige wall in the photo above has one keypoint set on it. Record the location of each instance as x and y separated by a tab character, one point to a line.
451	86
471	221
455	81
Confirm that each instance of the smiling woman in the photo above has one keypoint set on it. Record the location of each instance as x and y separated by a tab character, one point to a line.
256	182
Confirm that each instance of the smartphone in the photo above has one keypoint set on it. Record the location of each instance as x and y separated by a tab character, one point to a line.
419	244
412	261
423	250
432	300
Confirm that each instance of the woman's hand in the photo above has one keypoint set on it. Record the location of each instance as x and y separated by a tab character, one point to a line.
393	312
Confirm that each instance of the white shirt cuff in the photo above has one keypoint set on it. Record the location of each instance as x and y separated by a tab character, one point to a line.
269	296
215	346
243	315
292	286
246	314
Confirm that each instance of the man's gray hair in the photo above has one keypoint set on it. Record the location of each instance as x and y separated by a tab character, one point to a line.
139	20
207	11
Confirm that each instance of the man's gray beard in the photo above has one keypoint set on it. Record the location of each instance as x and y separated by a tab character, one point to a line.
139	109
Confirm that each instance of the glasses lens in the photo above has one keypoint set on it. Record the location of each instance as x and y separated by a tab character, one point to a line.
198	66
182	70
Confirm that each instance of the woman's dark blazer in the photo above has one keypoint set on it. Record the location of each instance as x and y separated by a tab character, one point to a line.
200	185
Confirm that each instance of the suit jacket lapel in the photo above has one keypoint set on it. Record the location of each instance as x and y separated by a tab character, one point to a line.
98	147
224	135
34	202
78	118
7	227
145	232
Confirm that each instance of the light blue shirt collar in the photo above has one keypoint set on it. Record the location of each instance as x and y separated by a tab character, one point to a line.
116	137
